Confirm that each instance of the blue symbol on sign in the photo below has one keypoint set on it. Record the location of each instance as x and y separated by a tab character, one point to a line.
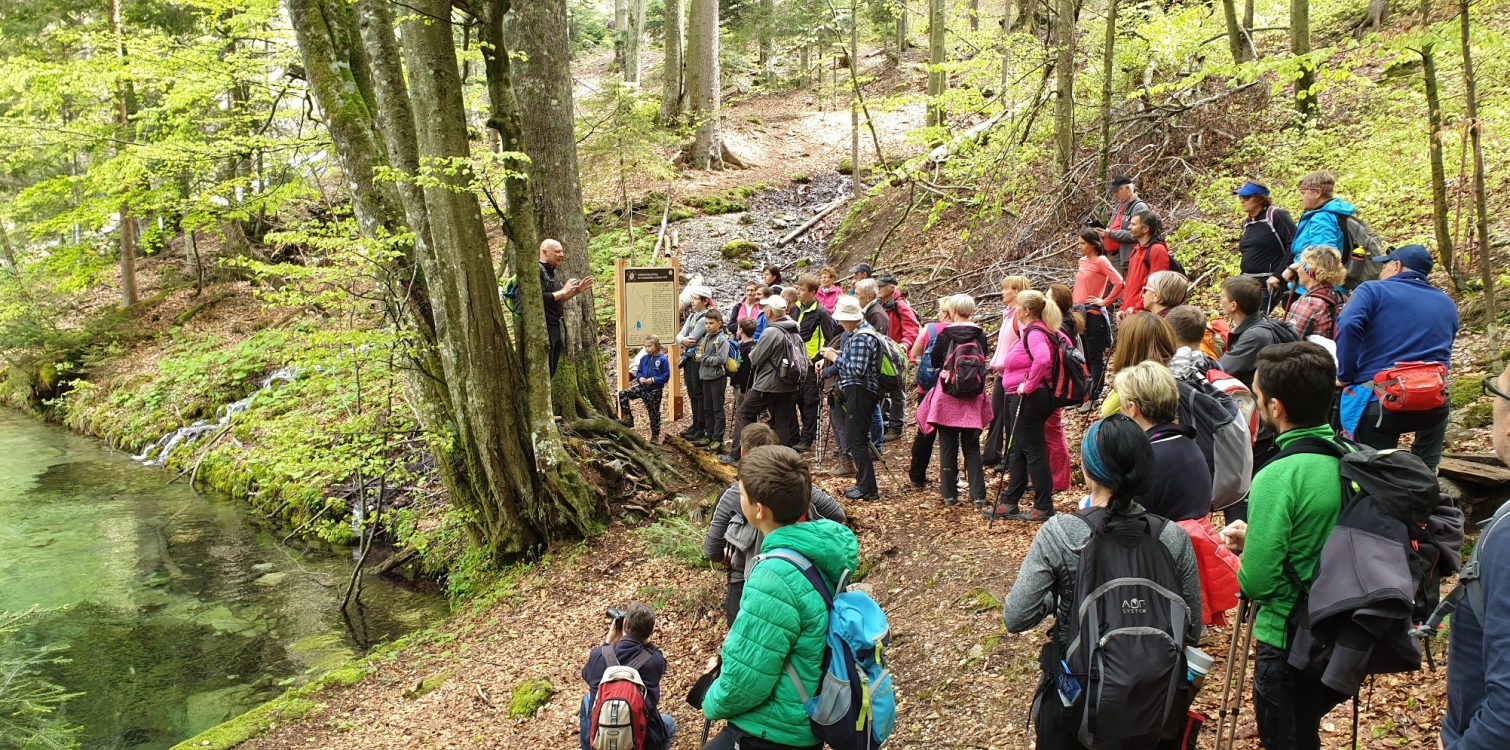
638	324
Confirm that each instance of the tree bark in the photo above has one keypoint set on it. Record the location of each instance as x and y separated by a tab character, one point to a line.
1064	111
543	85
1108	73
673	94
768	41
972	11
703	86
1378	13
620	31
938	79
1480	196
122	123
1300	44
1439	209
1235	42
633	41
902	42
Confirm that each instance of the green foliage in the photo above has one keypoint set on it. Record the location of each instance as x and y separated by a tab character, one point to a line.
677	538
587	25
1465	391
27	701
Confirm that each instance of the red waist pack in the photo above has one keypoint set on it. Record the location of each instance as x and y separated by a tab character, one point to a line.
1412	386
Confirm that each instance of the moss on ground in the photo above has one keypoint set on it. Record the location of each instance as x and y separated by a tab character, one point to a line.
529	696
426	686
251	724
1464	392
979	599
1479	415
738	248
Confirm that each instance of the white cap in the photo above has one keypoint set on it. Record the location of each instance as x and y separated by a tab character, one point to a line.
774	302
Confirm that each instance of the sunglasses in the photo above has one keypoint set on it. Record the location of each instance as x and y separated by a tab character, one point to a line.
1491	389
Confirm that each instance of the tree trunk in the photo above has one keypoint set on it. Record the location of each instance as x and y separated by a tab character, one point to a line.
566	493
804	63
854	105
122	123
1300	44
768	41
633	40
902	43
1439	207
1235	42
1378	13
673	94
620	31
1108	72
972	10
938	79
1480	195
543	85
1064	111
703	86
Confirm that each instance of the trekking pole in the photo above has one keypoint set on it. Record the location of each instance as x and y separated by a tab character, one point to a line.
1242	673
875	453
822	404
1221	721
1001	481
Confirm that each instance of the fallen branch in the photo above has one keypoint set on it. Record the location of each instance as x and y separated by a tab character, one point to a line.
817	217
395	561
703	460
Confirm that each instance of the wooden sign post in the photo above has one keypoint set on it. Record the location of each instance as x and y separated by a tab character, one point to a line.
646	304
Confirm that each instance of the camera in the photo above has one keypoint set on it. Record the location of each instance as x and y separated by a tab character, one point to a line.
615	614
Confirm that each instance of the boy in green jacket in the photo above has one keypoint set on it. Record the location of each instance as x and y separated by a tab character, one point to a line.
781	616
1294	503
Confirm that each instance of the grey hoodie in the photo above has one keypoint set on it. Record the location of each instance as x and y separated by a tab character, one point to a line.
767	357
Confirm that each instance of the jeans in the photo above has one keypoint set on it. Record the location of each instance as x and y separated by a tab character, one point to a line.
783	415
713	408
733	737
953	440
1288	704
693	382
809	405
585	722
1029	456
877	432
651	395
857	400
1097	338
1430	428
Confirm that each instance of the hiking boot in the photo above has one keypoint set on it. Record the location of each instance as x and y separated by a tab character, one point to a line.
803	446
845	468
688	434
728	460
702	441
1085	408
950	502
655	438
979	503
854	493
1033	516
915	484
891	436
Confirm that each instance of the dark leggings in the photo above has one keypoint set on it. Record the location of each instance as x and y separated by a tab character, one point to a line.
993	451
1029	456
1097	337
953	441
733	737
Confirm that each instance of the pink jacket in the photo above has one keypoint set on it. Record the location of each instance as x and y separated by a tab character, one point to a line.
1030	359
940	409
828	297
1006	339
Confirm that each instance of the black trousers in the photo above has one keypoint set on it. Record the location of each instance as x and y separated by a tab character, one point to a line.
783	415
1028	461
1097	338
952	442
713	408
809	400
731	601
993	452
1288	704
894	410
858	401
1430	428
922	453
694	385
734	738
557	339
652	398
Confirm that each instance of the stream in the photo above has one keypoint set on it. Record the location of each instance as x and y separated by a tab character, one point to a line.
177	609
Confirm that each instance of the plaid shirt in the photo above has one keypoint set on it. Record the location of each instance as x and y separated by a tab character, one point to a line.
1311	315
857	363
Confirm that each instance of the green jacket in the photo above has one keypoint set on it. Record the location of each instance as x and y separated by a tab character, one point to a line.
780	615
1292	508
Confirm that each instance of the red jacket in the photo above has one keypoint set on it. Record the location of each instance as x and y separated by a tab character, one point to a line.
1218	569
1146	261
904	322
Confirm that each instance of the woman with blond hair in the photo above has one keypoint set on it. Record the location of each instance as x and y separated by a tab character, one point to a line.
1142	337
1025	378
991	453
1164	291
1319	272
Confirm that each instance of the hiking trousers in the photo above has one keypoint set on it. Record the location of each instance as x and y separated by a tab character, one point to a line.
857	400
993	451
1028	461
1430	428
783	415
809	404
693	382
952	442
1097	339
1288	703
713	408
734	738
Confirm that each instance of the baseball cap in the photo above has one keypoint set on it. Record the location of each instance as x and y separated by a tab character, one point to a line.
1250	189
886	279
774	302
1414	257
1121	180
861	268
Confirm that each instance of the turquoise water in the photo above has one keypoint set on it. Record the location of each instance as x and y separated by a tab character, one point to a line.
177	610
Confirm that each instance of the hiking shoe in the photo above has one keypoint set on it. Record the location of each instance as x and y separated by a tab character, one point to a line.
854	493
1002	510
1085	408
655	438
702	441
714	447
846	468
891	436
979	503
802	446
1033	516
950	502
915	484
728	460
688	433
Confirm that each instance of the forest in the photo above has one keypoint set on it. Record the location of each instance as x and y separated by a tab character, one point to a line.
262	245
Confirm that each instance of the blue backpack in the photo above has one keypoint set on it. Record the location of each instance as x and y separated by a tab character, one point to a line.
855	707
927	374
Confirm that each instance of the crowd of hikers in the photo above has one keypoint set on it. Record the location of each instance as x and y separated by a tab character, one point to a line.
1283	409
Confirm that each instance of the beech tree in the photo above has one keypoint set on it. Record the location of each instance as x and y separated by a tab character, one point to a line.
673	92
1064	68
704	96
1300	46
938	78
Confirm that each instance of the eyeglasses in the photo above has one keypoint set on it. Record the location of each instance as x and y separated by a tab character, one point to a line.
1491	389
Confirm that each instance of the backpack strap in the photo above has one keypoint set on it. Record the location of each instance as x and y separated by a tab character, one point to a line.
1469	583
1313	445
639	662
808	569
608	657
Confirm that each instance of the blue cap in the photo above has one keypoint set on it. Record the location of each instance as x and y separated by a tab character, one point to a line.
1250	189
1414	257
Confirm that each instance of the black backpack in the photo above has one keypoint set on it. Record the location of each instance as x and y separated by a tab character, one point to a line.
792	365
1127	637
1174	263
1380	570
964	373
1069	380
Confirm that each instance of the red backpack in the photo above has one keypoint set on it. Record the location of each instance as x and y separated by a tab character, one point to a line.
619	717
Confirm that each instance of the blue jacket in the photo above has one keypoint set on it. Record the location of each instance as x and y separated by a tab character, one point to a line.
658	368
1478	700
1318	226
1400	319
626	650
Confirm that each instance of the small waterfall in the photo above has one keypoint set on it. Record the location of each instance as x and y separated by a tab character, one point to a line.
157	453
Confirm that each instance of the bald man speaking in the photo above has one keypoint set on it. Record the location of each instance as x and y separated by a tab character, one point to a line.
556	295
